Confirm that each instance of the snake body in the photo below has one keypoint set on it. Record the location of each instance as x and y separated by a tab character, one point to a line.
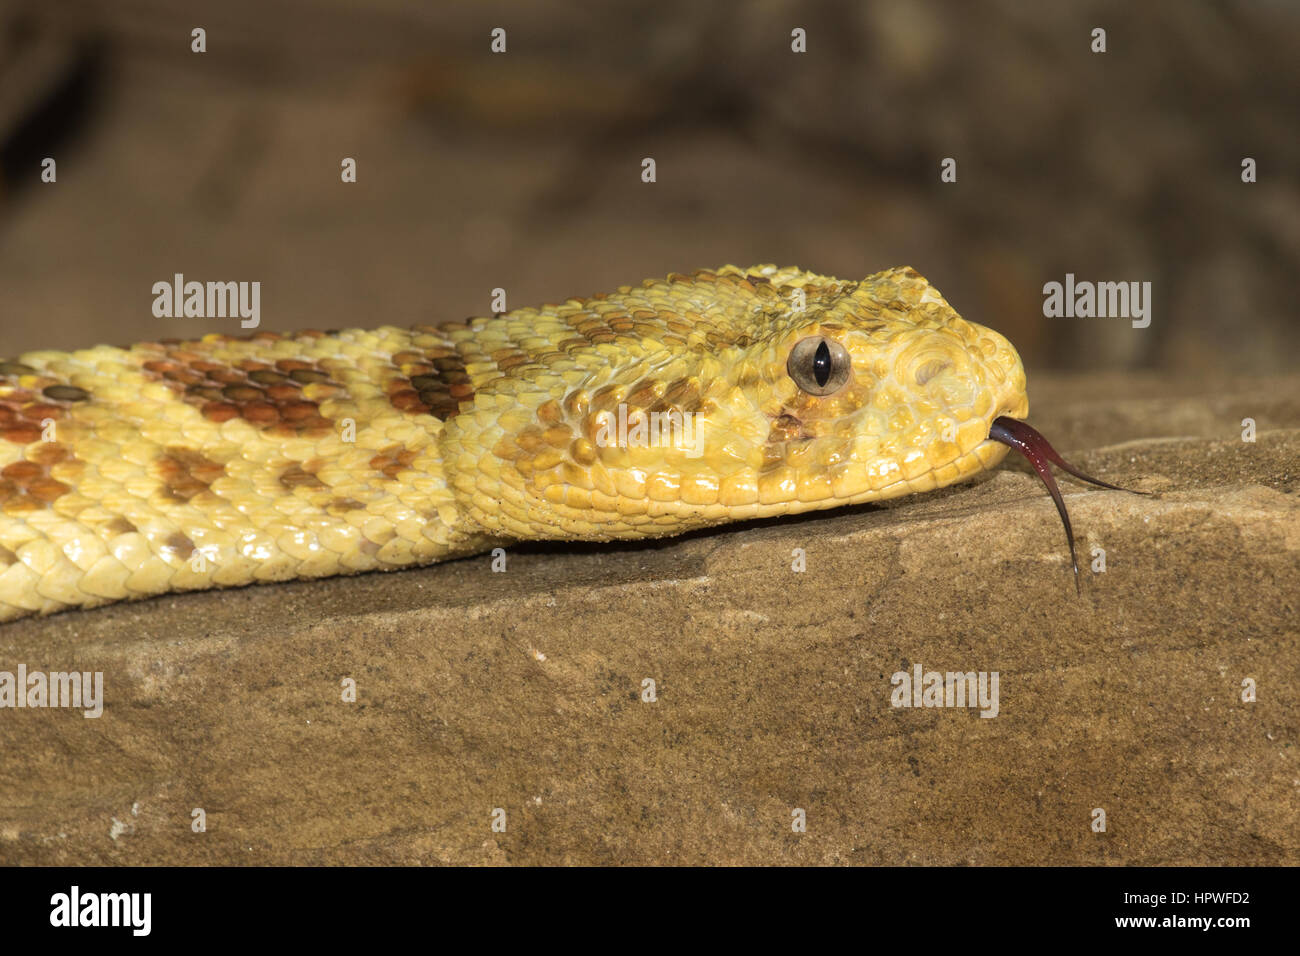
223	461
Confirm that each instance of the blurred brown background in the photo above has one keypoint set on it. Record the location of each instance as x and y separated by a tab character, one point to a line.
522	170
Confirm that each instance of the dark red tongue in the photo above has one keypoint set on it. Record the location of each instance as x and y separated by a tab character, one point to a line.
1026	440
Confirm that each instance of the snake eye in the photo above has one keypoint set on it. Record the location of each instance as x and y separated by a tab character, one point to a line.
819	365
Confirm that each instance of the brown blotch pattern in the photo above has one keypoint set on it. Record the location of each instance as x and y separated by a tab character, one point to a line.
787	427
28	397
680	396
339	506
432	380
535	448
51	453
392	461
186	473
28	486
182	546
119	525
270	395
301	476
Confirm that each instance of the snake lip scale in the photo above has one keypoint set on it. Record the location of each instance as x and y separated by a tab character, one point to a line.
224	461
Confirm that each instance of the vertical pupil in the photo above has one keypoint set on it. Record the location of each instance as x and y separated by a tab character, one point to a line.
822	365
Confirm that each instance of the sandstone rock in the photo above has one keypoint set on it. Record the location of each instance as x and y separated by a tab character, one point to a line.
523	690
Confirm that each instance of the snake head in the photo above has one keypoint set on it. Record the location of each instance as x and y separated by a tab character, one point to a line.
887	391
730	394
864	391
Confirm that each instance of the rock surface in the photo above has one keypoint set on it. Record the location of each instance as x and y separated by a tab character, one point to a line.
523	691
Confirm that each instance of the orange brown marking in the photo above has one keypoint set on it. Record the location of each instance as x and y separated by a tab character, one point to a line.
28	485
119	525
180	544
267	396
786	427
392	460
261	413
343	505
558	436
186	473
39	411
298	476
219	411
530	438
644	393
506	449
47	489
29	397
606	398
22	472
431	380
297	411
50	453
550	412
21	434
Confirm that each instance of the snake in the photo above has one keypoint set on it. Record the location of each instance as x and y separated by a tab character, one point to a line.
680	403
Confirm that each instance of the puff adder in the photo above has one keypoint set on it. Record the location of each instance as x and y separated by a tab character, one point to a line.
181	465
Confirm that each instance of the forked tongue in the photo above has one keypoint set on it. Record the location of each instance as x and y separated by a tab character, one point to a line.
1019	435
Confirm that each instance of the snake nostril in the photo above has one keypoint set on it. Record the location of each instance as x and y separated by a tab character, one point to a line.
930	369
